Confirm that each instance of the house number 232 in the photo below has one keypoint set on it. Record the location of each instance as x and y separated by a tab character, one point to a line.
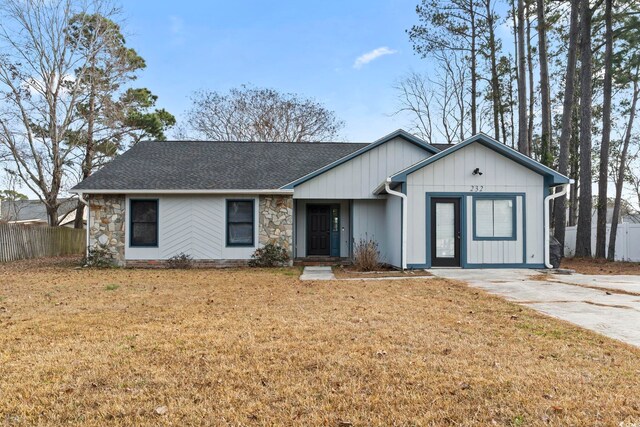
477	188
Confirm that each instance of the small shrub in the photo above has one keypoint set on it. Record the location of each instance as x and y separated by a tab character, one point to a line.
180	261
98	257
111	287
366	255
270	255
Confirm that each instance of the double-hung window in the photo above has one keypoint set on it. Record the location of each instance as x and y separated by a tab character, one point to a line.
240	222
495	218
144	223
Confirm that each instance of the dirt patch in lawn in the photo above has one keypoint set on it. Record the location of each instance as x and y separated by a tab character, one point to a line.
601	266
349	272
259	347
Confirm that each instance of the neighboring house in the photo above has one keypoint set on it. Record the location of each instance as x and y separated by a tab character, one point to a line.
626	214
34	212
478	203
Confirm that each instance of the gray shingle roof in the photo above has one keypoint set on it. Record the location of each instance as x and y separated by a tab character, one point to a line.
205	165
442	147
33	210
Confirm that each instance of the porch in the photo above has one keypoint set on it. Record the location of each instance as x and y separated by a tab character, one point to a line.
326	230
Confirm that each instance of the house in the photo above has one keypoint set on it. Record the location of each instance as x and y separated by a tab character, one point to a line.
34	212
476	204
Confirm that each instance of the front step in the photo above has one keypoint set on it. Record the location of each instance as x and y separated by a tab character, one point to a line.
320	261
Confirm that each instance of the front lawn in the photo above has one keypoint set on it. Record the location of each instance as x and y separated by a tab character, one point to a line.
600	266
258	347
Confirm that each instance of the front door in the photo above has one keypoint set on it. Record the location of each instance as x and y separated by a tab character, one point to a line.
445	232
318	230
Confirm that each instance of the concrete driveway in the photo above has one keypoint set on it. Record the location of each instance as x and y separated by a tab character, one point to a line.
609	305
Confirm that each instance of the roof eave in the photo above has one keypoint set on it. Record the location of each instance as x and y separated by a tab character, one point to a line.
81	191
555	177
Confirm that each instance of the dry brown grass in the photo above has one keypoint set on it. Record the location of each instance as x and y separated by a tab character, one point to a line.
600	266
257	347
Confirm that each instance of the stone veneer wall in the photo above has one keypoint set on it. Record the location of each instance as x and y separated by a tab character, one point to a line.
275	222
106	225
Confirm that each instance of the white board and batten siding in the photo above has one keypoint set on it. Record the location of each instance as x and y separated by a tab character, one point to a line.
454	174
380	221
358	177
191	224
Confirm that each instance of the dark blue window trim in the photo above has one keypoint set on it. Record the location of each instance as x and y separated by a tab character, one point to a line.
514	216
131	202
253	223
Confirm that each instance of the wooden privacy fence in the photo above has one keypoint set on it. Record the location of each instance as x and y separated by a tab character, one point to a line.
19	241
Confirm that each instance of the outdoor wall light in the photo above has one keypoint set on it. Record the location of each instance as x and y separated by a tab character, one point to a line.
476	171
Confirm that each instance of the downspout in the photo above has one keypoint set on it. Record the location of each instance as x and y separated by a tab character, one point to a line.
81	199
404	220
547	220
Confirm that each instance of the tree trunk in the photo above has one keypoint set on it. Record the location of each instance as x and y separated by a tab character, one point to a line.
532	99
512	115
515	68
574	155
585	206
546	156
603	176
89	154
611	253
474	74
495	83
560	209
522	84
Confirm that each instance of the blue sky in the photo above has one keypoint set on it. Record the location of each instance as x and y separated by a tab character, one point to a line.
309	48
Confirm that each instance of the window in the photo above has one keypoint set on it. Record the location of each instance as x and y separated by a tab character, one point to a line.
144	223
495	218
240	222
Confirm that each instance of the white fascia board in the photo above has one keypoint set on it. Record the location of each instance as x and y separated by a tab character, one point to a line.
230	191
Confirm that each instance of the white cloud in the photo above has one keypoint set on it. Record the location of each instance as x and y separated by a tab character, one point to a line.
370	56
177	24
176	28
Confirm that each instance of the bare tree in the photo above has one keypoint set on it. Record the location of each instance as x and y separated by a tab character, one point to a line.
40	78
560	210
438	107
256	114
452	25
416	97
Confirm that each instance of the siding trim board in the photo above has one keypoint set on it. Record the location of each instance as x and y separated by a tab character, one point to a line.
464	229
555	178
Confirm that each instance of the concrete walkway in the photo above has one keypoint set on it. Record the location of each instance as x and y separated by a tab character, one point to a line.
317	273
598	303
